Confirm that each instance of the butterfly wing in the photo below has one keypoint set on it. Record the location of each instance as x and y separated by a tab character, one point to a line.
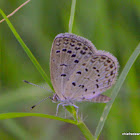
67	51
78	71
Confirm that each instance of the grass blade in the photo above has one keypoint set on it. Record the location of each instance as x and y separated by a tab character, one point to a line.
88	135
26	49
72	14
116	89
17	115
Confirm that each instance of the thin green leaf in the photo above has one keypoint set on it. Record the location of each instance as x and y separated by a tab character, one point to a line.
116	89
26	49
80	124
17	115
71	20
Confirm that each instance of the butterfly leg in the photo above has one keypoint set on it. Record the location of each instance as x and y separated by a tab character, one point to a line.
65	111
58	107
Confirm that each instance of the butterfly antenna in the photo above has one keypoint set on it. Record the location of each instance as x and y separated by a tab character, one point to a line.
36	85
39	102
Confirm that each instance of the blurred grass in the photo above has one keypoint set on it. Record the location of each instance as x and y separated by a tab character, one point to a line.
16	129
111	26
27	51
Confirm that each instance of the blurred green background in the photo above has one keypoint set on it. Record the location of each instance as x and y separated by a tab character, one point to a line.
111	25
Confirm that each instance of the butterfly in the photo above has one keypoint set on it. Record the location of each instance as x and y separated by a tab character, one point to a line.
80	72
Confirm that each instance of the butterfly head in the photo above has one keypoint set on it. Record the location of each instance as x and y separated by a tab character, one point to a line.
55	98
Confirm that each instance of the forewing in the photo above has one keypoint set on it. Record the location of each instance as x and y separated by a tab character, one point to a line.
66	56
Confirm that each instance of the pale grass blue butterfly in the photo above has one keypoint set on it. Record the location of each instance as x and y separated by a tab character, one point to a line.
80	72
